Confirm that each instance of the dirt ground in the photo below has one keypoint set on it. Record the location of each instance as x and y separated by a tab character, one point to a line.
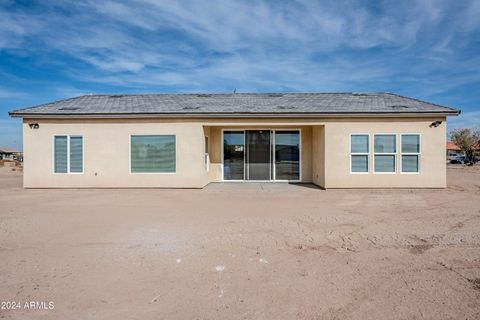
242	251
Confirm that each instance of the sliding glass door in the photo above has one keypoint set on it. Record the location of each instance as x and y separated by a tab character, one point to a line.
233	155
261	155
287	155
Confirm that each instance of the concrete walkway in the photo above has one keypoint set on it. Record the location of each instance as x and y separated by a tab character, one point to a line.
262	186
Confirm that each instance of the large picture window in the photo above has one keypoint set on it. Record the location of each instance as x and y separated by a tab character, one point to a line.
385	149
410	153
152	154
68	154
359	153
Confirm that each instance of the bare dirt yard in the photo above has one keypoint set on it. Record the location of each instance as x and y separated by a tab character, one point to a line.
241	251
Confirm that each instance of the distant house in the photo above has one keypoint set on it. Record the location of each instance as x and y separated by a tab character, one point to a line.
335	140
7	153
453	150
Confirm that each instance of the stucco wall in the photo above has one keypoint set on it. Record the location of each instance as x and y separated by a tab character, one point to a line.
432	159
325	151
318	155
106	154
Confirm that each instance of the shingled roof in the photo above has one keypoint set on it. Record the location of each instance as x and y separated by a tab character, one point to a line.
235	104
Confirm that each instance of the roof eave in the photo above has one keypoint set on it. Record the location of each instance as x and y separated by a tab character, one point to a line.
453	112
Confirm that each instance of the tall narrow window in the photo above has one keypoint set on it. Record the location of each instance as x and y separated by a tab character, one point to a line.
76	154
385	149
359	151
410	153
61	154
68	154
152	154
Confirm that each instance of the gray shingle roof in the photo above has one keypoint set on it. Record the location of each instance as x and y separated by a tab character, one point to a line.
234	104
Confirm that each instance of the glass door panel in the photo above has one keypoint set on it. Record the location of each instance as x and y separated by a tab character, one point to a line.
287	155
258	154
233	155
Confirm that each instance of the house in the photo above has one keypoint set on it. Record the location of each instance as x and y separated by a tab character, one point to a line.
7	153
453	150
334	140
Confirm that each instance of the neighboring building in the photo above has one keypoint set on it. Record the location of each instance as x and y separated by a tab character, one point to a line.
7	153
335	140
453	150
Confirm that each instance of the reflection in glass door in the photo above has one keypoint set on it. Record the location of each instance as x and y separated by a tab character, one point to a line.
233	155
287	155
259	155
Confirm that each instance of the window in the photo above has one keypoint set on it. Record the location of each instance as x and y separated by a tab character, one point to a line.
385	149
68	154
152	154
359	151
410	153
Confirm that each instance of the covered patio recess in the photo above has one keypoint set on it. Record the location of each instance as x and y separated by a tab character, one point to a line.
265	153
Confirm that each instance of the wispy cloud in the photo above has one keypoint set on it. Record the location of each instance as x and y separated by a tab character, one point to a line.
4	93
466	120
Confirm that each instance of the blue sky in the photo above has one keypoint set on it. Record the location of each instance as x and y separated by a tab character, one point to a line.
50	50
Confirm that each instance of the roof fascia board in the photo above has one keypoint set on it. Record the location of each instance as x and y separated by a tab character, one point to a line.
243	115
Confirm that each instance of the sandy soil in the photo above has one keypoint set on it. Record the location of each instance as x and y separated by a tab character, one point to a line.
248	251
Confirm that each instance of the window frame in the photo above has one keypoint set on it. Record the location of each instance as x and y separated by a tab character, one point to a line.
395	154
272	142
68	153
273	145
359	153
410	153
150	134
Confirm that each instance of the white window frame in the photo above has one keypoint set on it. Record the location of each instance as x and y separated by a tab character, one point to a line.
386	153
360	153
222	154
150	134
418	154
68	153
273	160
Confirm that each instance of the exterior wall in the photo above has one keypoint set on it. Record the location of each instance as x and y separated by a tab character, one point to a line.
318	155
215	172
325	153
432	155
106	154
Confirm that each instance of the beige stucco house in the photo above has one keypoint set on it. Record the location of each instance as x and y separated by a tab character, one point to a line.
334	140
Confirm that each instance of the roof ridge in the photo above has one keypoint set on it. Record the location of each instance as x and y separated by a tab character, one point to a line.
225	93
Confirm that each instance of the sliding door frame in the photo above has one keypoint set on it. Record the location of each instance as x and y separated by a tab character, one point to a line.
272	153
223	154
